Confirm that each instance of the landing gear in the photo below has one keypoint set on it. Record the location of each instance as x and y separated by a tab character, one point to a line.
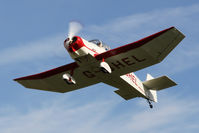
68	79
103	70
150	105
104	67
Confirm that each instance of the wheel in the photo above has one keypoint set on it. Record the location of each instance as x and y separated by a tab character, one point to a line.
68	79
103	70
105	67
151	106
69	83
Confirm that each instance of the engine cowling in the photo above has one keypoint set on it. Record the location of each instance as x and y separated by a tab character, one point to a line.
74	44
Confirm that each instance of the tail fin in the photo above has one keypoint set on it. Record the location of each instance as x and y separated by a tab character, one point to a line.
155	84
152	93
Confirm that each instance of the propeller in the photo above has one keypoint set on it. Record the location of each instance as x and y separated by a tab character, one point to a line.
74	28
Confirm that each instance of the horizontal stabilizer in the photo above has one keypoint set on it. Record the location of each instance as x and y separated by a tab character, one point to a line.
159	83
126	94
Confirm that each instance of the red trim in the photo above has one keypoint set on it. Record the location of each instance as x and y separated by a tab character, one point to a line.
79	44
51	72
91	50
76	45
130	46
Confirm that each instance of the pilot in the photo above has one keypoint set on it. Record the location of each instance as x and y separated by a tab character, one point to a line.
99	44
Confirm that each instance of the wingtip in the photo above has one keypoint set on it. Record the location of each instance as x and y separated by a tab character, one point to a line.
15	79
177	30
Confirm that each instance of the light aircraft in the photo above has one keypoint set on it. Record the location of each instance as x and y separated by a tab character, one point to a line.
96	62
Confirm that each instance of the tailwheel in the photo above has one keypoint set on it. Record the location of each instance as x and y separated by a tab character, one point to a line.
150	105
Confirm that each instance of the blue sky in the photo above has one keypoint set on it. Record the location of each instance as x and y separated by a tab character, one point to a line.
32	35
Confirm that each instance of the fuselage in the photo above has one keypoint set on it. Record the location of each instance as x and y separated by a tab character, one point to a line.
79	47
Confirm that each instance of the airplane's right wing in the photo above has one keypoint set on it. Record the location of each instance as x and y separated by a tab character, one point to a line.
52	80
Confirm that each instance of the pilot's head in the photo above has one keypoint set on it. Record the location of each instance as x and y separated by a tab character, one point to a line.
100	44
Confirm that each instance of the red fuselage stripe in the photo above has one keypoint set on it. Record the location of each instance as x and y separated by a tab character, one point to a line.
91	50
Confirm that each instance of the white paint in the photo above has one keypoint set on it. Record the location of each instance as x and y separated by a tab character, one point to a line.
134	81
89	48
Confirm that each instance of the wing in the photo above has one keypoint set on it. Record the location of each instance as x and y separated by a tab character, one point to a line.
52	80
143	53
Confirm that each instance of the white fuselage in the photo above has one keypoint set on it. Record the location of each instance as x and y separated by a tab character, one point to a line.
87	48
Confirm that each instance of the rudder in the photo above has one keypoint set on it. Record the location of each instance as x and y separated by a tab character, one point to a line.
152	94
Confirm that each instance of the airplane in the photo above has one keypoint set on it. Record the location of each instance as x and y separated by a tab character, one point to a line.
94	62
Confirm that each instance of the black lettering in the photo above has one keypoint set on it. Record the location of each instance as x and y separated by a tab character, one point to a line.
112	69
127	61
88	74
97	70
118	64
138	60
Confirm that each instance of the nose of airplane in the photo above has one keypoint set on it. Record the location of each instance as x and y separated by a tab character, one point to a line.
75	44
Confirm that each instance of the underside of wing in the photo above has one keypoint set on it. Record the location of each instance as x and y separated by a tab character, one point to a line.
143	53
52	80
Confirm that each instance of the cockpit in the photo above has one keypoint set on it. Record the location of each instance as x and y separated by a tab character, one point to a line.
100	44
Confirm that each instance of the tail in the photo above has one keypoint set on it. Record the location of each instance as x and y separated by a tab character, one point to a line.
152	94
147	89
155	84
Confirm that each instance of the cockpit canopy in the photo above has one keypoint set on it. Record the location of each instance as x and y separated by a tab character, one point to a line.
100	44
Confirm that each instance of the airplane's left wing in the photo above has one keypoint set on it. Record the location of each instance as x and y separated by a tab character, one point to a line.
142	53
51	80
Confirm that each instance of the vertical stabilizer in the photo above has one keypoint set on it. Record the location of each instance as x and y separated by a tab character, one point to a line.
149	77
152	94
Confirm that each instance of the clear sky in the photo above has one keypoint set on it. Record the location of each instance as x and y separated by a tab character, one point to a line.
31	41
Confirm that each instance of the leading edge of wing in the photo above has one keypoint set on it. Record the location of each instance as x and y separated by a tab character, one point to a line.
130	46
50	72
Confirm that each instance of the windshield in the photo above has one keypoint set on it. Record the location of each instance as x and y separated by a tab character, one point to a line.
100	44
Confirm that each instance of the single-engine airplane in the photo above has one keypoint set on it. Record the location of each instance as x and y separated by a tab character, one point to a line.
95	62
